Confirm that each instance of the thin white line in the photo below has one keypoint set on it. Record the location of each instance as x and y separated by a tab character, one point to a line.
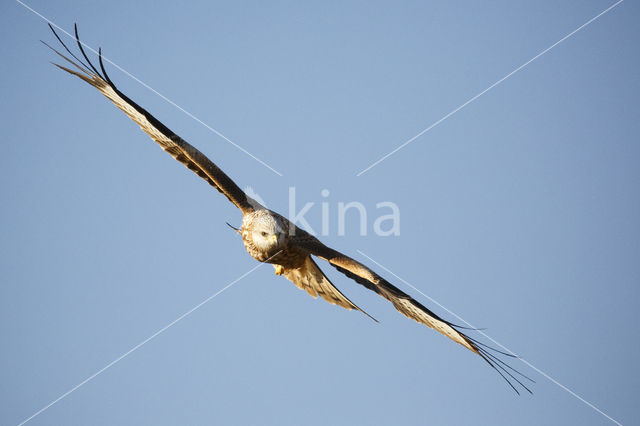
156	92
115	361
489	88
493	340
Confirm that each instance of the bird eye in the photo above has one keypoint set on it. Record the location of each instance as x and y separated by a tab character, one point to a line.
264	234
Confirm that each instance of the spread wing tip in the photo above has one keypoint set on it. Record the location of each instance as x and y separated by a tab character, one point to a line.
505	370
413	309
167	139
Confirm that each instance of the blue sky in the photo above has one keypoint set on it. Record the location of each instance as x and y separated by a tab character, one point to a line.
518	213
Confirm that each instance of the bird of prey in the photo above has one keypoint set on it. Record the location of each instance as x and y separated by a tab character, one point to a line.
270	237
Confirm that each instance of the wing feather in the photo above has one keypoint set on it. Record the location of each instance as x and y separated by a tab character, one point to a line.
177	147
406	305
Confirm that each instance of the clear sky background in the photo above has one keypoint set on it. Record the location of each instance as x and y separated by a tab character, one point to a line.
519	213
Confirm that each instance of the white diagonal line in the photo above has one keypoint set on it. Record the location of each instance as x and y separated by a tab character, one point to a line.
487	89
124	355
154	91
494	341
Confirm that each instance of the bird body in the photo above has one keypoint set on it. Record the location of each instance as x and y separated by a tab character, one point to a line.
269	237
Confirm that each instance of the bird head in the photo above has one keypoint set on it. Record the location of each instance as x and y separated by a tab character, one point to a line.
267	233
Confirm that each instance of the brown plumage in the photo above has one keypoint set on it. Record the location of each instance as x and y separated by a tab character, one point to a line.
270	237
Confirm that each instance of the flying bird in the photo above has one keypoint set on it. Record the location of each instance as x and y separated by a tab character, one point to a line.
272	238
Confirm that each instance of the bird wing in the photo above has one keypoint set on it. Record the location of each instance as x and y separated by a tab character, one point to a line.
310	278
161	134
404	303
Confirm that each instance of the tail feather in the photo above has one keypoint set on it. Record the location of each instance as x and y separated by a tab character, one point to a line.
309	277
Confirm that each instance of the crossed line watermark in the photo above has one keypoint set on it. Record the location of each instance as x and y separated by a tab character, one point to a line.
154	90
408	141
142	343
551	379
64	395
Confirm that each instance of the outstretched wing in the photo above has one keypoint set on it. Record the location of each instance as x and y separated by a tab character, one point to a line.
168	140
405	303
310	278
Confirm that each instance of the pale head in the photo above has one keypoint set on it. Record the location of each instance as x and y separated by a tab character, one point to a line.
264	230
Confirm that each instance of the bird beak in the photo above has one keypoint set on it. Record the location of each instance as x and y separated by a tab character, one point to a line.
274	238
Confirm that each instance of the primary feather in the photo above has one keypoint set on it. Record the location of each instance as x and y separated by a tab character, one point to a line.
270	237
